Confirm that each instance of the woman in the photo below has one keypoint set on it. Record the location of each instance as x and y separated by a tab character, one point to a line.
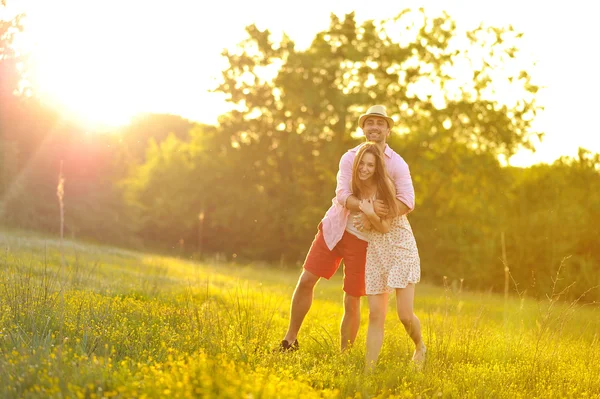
392	256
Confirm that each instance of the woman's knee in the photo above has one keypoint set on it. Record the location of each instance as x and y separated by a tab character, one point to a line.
377	315
406	317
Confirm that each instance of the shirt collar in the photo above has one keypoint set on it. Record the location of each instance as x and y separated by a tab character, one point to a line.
387	151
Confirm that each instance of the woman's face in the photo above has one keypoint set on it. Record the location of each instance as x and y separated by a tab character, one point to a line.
366	166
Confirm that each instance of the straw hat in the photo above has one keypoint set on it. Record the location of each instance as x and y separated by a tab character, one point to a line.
375	110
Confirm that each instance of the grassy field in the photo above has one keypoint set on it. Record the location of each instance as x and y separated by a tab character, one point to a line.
118	324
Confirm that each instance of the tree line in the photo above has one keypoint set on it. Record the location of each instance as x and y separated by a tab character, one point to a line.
255	186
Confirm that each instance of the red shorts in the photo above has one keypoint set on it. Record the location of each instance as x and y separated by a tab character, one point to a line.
324	263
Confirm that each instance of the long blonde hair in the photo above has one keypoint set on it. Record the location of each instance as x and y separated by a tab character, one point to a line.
385	190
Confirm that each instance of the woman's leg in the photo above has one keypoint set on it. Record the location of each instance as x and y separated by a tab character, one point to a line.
404	304
377	311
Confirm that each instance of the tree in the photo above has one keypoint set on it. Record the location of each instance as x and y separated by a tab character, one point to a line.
273	159
554	218
296	110
135	137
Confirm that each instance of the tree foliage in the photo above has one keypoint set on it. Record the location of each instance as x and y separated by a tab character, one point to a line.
297	109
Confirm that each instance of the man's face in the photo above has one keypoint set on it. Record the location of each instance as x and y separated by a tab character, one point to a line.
376	129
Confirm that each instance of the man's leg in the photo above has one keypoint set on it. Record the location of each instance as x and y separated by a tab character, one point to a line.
320	262
354	252
350	321
301	302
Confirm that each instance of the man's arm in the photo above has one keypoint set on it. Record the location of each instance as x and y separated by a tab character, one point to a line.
343	191
382	210
352	203
405	192
402	208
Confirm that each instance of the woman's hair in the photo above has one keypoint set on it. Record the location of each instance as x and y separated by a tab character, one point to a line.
385	190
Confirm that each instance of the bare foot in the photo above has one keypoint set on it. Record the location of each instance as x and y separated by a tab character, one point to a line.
369	368
419	355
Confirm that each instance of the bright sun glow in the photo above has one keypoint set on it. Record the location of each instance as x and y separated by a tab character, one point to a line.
103	62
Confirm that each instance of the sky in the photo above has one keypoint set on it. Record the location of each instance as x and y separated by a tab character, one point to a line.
108	60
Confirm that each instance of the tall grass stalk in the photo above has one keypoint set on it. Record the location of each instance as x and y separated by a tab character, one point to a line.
60	193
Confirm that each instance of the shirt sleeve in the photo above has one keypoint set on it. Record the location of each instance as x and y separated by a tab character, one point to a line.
344	179
405	192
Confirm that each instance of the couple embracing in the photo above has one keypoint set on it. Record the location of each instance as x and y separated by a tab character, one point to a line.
367	227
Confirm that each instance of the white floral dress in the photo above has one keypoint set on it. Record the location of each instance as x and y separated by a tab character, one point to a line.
392	258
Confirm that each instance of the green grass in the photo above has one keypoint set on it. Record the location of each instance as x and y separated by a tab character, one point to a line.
116	323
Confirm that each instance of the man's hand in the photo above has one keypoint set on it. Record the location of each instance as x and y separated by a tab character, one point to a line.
362	222
381	209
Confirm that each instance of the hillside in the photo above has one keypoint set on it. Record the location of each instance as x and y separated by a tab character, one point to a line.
121	324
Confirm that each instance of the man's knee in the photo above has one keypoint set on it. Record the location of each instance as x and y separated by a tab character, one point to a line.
307	280
351	304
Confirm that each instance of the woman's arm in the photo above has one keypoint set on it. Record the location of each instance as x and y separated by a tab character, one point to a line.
381	225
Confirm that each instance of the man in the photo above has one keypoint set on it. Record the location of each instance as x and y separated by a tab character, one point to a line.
339	237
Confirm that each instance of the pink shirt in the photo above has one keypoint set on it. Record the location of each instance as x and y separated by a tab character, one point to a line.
334	222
